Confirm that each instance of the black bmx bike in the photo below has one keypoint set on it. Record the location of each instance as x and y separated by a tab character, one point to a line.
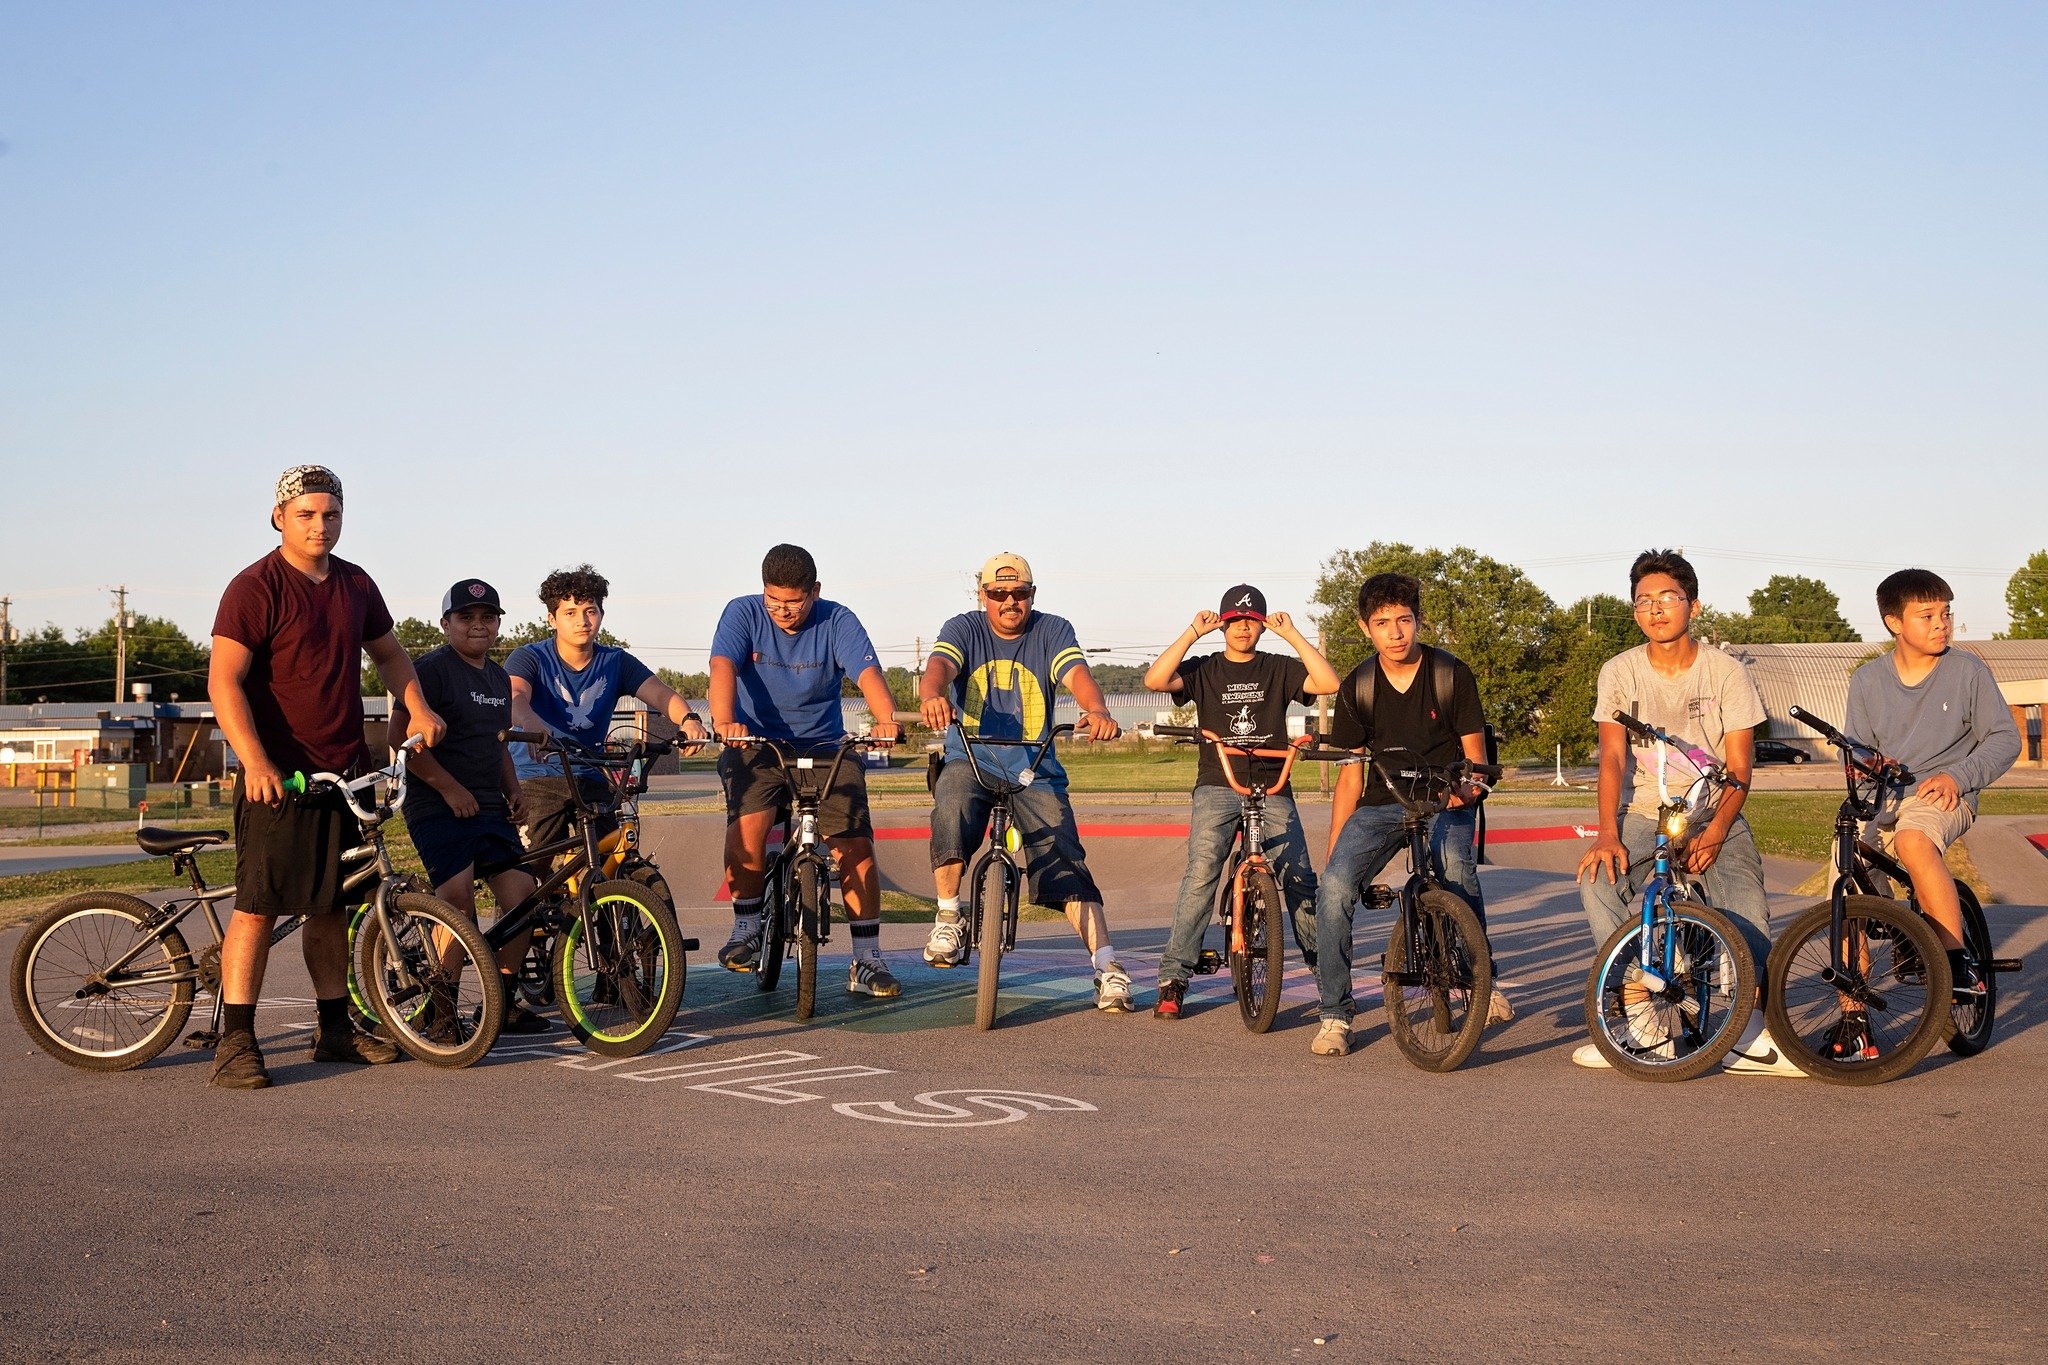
1436	977
1860	986
796	898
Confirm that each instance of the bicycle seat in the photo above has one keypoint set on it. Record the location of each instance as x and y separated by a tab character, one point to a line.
162	841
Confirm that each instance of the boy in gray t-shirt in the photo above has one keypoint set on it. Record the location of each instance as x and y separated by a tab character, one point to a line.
1704	697
1938	711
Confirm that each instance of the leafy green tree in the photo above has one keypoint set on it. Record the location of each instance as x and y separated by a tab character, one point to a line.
2026	600
415	637
45	665
1591	631
690	686
1487	613
1792	609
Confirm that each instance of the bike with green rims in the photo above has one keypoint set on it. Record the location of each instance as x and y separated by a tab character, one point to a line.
615	958
104	981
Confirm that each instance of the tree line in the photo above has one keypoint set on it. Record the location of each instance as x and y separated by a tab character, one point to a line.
1537	662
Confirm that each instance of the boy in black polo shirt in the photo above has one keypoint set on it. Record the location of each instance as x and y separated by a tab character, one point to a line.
1241	695
463	804
1426	702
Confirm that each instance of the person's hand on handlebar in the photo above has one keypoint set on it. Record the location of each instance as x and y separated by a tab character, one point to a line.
730	730
886	732
263	782
937	713
427	726
1098	725
692	729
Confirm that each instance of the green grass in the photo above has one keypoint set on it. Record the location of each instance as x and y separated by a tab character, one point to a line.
903	907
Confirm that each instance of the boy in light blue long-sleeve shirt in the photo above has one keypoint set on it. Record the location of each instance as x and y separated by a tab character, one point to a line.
1938	711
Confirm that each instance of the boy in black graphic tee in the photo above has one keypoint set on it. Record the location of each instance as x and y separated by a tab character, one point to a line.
1240	695
463	799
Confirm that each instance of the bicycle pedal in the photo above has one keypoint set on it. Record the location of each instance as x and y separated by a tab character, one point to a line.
1381	897
1209	963
2005	964
689	945
202	1040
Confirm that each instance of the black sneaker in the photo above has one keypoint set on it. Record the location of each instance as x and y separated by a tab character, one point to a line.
238	1063
1849	1040
1171	993
741	952
353	1049
519	1019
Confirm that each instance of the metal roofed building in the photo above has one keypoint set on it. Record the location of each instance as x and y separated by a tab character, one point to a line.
1815	677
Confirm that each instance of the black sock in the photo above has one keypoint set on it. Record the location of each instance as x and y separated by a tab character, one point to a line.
334	1016
506	983
1958	971
237	1018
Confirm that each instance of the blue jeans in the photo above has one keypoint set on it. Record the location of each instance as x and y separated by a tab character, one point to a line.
1734	884
1369	839
1212	825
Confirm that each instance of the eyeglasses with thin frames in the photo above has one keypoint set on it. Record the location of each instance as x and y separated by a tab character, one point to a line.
1667	599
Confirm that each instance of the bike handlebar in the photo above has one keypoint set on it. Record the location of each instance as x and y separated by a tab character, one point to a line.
1879	767
381	811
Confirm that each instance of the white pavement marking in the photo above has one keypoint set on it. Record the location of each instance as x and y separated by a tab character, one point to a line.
1011	1106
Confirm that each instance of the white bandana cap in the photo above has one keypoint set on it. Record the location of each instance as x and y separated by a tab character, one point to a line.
302	479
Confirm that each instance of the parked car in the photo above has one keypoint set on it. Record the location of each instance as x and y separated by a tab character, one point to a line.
1778	751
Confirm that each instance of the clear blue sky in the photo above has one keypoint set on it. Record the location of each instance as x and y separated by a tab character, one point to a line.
1163	297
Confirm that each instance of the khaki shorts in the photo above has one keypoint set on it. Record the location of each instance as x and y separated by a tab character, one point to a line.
1944	827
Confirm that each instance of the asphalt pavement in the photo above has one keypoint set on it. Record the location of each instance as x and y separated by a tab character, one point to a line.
885	1183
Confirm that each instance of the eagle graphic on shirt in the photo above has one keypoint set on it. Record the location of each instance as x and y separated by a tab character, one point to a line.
580	707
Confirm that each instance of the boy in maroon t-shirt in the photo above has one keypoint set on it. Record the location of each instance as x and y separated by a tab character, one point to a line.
286	644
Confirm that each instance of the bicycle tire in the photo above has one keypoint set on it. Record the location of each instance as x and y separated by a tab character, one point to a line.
995	886
812	904
1908	964
619	969
360	1011
643	872
441	1013
72	941
1436	1023
1256	973
775	914
1633	1026
1972	1018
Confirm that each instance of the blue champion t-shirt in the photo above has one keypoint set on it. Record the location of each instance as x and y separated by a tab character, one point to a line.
1004	688
789	685
573	703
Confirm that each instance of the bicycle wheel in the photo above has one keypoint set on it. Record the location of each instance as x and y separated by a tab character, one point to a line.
1436	1004
643	873
361	1012
619	969
1972	1013
65	1001
433	982
995	888
1684	1027
1257	971
776	895
1896	965
812	905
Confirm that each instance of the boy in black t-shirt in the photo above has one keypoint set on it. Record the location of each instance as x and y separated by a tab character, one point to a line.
462	801
1410	709
1241	695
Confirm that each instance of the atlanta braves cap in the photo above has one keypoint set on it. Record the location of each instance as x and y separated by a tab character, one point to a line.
471	592
1243	600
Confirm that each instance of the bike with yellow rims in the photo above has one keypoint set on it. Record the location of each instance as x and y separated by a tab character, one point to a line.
615	957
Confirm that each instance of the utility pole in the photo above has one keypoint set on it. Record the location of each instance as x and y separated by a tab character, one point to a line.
917	656
120	643
6	638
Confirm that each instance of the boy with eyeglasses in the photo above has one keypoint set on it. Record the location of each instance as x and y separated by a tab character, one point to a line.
995	671
1705	697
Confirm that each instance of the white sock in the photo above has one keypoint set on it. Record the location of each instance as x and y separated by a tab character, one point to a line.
949	906
1103	957
746	918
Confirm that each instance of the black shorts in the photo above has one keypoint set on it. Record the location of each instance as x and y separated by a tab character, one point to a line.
551	815
450	846
288	857
753	781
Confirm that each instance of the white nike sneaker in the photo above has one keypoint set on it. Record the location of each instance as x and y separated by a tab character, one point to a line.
947	946
1760	1058
1587	1055
1113	989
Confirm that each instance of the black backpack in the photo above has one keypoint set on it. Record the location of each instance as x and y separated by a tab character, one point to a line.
1439	676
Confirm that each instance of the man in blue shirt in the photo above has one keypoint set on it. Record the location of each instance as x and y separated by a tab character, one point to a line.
779	662
995	671
569	686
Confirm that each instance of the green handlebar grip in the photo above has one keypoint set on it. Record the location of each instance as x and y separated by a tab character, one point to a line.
296	784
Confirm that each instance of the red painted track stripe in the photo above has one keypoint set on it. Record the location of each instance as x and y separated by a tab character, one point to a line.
2039	841
1534	834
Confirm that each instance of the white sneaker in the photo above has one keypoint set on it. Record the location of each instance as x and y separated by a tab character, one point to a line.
1587	1055
1333	1039
1498	1009
1113	989
871	976
947	946
1761	1058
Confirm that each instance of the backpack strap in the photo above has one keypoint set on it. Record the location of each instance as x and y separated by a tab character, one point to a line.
1440	677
